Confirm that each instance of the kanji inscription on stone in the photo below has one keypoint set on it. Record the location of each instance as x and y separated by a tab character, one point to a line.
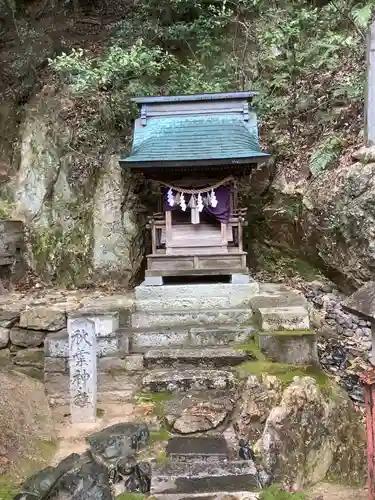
82	369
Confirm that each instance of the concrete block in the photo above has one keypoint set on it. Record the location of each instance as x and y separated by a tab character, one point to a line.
287	348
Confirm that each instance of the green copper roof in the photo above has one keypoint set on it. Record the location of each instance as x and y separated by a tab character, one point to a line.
210	137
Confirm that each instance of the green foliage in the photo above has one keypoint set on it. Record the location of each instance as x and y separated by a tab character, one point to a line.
274	492
325	154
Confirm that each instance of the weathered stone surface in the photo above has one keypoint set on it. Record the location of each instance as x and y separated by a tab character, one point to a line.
25	421
201	417
4	337
78	476
236	294
305	435
197	448
120	385
291	349
257	397
134	362
118	240
26	338
366	154
184	380
56	365
143	340
30	357
362	302
191	317
282	318
8	318
43	318
278	298
5	358
204	476
119	442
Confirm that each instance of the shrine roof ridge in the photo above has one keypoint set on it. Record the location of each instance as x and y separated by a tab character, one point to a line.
195	97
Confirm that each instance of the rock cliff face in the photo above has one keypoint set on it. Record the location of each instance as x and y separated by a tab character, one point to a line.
328	219
81	225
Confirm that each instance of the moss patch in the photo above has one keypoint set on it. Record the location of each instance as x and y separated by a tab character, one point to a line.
8	489
160	435
100	412
152	397
161	458
274	492
131	496
252	348
285	373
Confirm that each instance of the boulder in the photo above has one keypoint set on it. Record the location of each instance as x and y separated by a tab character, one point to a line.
308	436
257	397
43	318
26	429
119	444
77	476
201	417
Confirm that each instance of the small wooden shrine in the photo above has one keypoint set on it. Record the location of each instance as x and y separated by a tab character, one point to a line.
195	147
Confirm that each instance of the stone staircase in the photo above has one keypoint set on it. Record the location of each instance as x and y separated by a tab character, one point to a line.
196	347
186	337
197	467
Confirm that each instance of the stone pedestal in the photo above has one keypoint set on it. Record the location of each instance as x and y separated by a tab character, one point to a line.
82	369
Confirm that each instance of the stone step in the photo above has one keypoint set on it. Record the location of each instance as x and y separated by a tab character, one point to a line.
210	495
277	299
282	318
184	380
198	291
185	449
147	338
205	357
204	476
192	318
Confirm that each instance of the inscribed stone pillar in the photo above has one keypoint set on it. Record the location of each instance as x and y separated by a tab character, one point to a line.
82	369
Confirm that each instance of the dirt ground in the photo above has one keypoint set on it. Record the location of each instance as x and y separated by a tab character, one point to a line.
326	491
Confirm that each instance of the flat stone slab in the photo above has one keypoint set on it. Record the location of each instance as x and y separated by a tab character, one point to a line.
197	448
185	380
217	495
362	302
282	318
215	335
193	318
204	357
201	476
269	299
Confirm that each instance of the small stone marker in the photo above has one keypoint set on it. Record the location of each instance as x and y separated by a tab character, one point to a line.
82	369
362	304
